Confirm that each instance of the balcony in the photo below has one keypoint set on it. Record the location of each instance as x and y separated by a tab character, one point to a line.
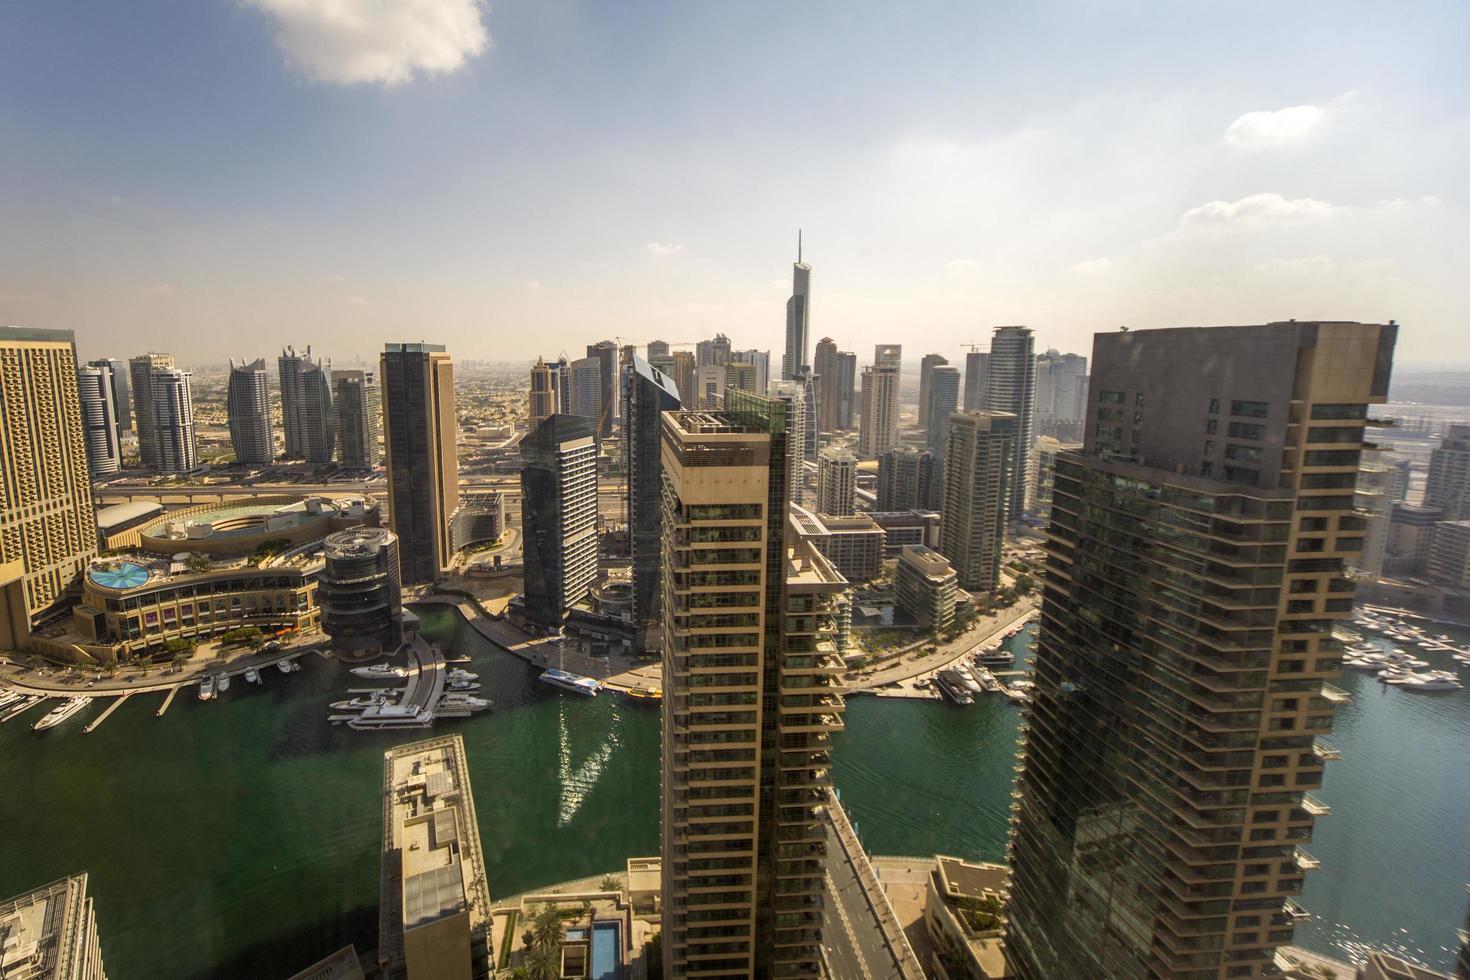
1315	806
1305	861
1336	695
1325	750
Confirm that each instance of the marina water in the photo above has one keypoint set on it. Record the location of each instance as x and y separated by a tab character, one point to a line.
241	837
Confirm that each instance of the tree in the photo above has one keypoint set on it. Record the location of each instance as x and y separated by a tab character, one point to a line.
197	562
546	939
609	884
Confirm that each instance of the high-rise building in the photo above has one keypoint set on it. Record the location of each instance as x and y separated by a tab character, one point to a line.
978	458
1010	386
836	482
846	388
927	364
248	406
359	405
306	407
48	527
760	360
606	352
559	533
51	934
810	432
99	419
657	348
170	401
121	392
1061	393
793	393
582	394
1181	676
434	903
420	433
824	365
943	401
926	587
741	374
546	395
683	372
1044	477
798	316
908	479
878	426
163	407
709	387
650	393
752	695
975	380
1374	498
1448	485
717	352
360	592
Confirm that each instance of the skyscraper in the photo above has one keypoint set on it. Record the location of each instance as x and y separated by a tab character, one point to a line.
49	530
809	411
582	390
944	401
798	313
248	406
846	388
163	404
752	694
657	348
650	393
978	458
545	396
306	407
878	426
1061	393
824	364
683	372
709	353
908	479
1194	575
420	431
975	380
836	482
1448	484
359	405
606	352
121	392
927	364
793	393
761	361
50	933
1010	386
559	474
99	419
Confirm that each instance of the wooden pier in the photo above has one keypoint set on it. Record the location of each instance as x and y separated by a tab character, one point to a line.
167	701
116	703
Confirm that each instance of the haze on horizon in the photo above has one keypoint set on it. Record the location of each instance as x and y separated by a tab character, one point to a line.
228	176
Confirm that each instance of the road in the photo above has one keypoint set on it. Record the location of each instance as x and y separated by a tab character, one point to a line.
913	664
862	938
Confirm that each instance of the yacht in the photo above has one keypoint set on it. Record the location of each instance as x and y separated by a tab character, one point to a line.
206	688
571	682
286	666
987	681
252	676
392	716
968	679
57	715
7	698
645	693
996	658
953	687
463	701
223	684
360	703
379	672
455	674
457	685
1437	680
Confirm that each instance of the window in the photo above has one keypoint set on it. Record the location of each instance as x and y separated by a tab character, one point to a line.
1339	412
1110	397
1138	400
1246	454
1241	474
1254	410
1211	427
1247	430
1214	406
1209	447
1331	457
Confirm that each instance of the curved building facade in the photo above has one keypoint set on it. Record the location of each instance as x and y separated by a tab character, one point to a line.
361	592
248	408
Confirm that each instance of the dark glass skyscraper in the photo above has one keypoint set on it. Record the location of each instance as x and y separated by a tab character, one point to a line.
423	469
798	314
559	515
649	394
1194	574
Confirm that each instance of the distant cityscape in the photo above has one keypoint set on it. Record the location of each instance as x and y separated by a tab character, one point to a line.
1205	524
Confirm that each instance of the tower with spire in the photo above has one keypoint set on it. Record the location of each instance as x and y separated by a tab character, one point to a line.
797	311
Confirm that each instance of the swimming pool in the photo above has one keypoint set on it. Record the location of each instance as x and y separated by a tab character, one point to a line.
607	959
123	575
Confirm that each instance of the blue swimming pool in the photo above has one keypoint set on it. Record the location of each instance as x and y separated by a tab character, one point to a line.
123	575
607	959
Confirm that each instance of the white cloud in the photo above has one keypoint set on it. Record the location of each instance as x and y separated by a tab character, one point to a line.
162	289
356	301
346	42
1263	130
1255	211
659	248
1093	267
533	284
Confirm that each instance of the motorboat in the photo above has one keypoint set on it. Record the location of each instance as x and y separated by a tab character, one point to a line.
455	674
996	658
571	682
8	698
223	684
455	685
56	716
381	672
206	688
968	679
392	716
1438	680
453	701
645	693
252	676
286	666
360	703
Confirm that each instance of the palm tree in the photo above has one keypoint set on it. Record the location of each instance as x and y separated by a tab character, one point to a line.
546	937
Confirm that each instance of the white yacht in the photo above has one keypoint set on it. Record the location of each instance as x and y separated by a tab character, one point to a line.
360	703
571	682
56	716
206	688
464	701
392	716
223	684
1438	680
381	672
967	679
286	666
458	685
252	676
8	698
455	674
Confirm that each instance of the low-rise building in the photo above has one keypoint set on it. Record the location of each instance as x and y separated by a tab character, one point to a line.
113	523
434	906
963	917
479	519
905	527
51	934
925	586
853	544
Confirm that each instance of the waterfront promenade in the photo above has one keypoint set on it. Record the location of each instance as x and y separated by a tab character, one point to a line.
909	666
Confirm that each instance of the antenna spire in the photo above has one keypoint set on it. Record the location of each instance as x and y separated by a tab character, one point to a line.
798	246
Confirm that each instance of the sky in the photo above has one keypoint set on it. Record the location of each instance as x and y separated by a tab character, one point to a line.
224	177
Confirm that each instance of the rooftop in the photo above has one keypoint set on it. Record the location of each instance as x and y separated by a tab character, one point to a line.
39	925
120	514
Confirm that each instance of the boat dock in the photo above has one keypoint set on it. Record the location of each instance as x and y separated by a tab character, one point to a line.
21	708
167	701
95	722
